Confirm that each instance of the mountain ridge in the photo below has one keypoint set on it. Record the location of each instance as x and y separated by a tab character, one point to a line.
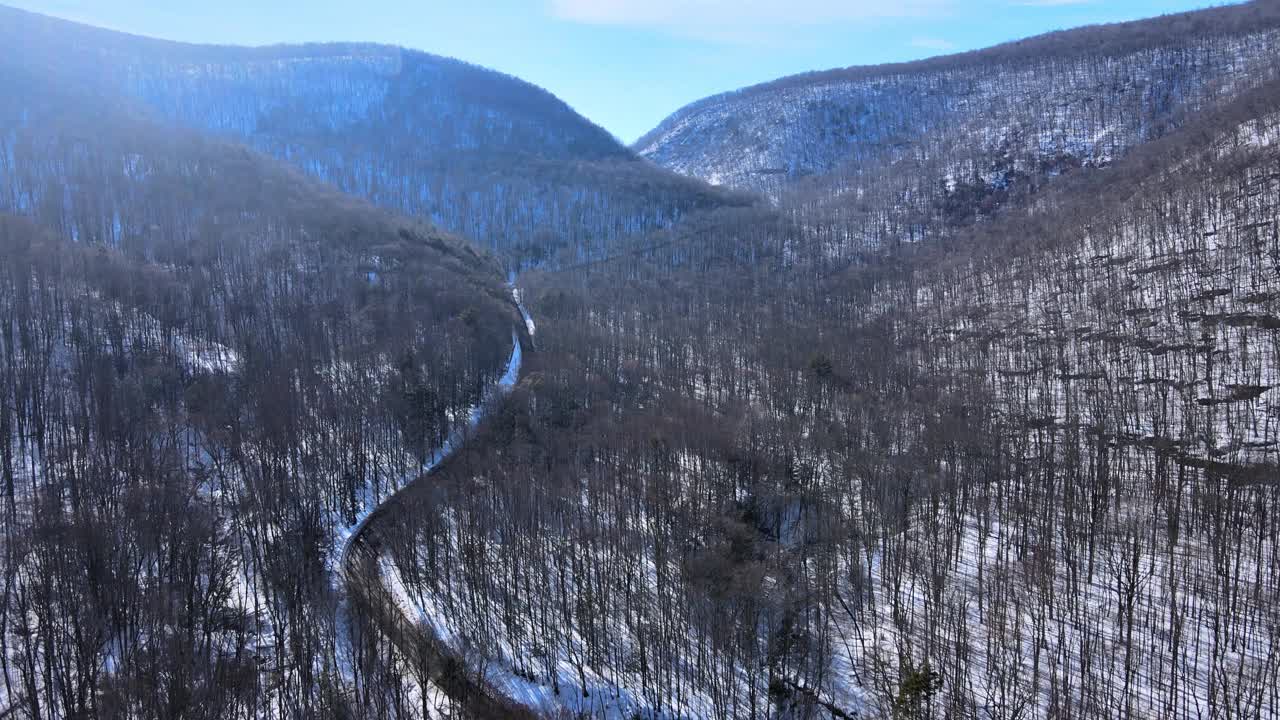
22	27
474	151
774	135
1238	19
980	415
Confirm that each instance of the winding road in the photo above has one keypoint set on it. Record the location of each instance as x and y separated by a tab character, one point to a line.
366	600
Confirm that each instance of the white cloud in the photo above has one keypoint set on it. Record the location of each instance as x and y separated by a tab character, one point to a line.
720	19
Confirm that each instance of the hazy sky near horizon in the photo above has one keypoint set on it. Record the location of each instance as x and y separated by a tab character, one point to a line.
625	64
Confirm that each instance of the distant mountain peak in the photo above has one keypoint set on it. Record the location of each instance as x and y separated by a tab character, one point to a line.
1142	75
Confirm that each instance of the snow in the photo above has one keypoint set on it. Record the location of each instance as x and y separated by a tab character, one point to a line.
369	506
1082	640
605	697
529	326
206	355
1092	108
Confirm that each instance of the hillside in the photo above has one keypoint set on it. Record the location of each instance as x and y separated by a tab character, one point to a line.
1026	471
210	366
994	464
978	417
473	151
1046	104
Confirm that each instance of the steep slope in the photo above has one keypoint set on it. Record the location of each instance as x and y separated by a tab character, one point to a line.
473	151
1030	473
210	364
1125	333
1019	467
1049	103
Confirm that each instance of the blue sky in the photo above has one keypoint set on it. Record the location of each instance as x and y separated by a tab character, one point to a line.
626	64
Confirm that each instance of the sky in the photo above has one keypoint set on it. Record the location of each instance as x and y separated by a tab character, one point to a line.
625	64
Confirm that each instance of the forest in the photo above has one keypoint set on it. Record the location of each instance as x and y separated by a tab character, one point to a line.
946	390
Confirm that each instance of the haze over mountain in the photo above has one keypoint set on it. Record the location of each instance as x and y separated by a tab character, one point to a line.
345	381
625	64
471	150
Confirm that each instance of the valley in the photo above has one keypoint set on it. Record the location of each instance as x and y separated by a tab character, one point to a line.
348	381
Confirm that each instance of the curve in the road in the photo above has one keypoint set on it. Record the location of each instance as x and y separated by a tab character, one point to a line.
363	591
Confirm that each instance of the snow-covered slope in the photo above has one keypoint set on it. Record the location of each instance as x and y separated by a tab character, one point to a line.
177	310
471	150
1077	97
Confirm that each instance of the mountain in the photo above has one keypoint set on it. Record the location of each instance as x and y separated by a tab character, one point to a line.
974	430
473	151
210	365
1023	467
977	420
1078	97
